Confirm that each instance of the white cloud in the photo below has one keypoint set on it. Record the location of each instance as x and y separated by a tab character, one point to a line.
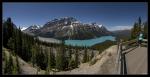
113	28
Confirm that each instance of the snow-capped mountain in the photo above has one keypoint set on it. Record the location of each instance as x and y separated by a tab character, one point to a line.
23	28
69	28
31	29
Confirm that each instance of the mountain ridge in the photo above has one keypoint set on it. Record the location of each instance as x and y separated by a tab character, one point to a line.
69	28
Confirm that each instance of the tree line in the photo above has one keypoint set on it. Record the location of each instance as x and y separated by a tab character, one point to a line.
139	27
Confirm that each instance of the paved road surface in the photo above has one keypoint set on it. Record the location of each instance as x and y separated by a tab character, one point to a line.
136	60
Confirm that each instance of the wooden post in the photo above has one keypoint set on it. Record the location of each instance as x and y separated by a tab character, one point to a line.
121	68
118	58
121	46
117	46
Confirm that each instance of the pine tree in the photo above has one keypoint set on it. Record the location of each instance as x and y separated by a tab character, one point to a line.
48	63
9	65
3	61
33	50
140	22
92	55
146	30
58	60
61	60
15	68
20	41
133	31
41	59
66	59
85	56
6	65
7	31
10	43
69	57
52	59
71	64
15	41
76	58
88	58
69	54
137	28
18	65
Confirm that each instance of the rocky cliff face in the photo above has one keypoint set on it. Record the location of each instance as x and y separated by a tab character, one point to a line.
69	28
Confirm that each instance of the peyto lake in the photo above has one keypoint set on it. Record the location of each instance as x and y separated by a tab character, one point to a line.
89	42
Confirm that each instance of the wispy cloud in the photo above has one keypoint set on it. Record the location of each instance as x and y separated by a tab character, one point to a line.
113	28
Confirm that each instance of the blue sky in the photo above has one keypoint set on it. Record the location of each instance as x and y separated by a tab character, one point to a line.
113	15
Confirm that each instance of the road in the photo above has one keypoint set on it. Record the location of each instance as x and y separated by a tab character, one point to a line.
136	60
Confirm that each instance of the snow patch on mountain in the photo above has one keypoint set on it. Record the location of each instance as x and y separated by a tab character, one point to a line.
100	25
35	26
23	28
71	26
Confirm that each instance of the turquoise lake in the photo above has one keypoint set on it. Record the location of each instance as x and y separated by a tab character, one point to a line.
89	42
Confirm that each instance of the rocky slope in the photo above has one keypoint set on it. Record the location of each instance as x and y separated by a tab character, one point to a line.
105	64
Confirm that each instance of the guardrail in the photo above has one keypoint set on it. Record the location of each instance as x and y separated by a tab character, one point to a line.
121	57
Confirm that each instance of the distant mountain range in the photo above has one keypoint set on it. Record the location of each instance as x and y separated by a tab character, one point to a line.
69	28
122	33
